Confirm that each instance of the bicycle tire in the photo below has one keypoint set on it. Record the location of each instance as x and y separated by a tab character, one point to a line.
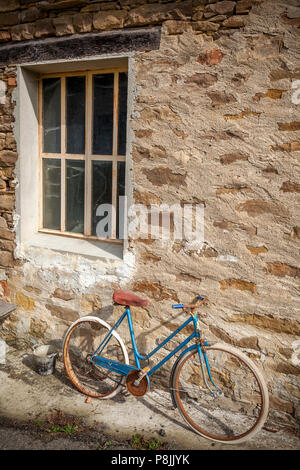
80	341
236	408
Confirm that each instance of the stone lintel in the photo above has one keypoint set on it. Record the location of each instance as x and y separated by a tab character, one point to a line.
80	45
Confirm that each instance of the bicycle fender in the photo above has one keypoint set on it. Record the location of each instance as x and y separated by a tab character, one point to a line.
101	322
194	346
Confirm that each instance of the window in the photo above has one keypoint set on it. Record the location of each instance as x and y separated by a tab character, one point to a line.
82	141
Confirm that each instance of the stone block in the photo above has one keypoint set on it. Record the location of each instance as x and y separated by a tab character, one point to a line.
5	233
282	270
229	225
219	98
238	284
156	14
106	20
63	313
268	322
5	36
11	81
44	28
177	27
212	57
256	207
293	146
25	302
242	114
9	5
9	19
83	22
203	80
234	22
281	405
164	176
7	202
257	250
154	290
31	14
244	6
272	93
63	294
287	368
289	126
229	158
146	198
221	8
8	157
23	32
205	26
159	113
290	187
63	25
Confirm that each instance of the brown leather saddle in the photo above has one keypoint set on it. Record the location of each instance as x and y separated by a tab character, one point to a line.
128	298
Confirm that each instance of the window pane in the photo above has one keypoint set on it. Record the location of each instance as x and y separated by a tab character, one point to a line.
75	114
103	99
51	115
75	196
122	128
120	192
51	193
102	194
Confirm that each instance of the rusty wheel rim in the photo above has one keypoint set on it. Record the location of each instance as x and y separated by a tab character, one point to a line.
99	374
192	423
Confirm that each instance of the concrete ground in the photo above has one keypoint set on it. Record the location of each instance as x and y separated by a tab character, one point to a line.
44	402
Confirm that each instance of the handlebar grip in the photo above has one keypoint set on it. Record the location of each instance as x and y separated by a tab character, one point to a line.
200	297
177	306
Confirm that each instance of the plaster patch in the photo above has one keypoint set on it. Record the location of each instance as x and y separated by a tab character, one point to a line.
230	258
3	276
73	271
2	91
23	326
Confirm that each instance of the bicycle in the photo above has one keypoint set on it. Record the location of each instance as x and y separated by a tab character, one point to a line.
218	390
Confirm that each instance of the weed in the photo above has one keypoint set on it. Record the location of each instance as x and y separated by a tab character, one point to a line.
60	422
106	444
139	442
67	429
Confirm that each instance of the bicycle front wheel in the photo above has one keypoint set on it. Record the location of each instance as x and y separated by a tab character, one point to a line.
82	340
240	403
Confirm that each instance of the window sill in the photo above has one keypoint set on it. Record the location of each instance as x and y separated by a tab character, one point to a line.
78	246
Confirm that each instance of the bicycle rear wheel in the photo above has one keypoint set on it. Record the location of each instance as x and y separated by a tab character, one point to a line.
80	342
239	408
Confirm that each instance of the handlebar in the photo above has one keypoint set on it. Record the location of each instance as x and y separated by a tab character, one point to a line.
199	297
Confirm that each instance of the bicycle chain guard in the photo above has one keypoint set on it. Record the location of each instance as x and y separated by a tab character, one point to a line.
139	390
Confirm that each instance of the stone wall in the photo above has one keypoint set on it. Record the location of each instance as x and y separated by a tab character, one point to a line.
216	121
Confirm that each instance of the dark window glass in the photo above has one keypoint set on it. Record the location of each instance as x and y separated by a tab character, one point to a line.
51	193
102	194
75	114
120	192
103	100
122	127
51	115
75	196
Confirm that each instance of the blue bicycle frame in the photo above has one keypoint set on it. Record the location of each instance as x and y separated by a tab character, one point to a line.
124	369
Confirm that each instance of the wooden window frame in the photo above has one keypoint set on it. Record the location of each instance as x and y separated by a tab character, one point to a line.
88	157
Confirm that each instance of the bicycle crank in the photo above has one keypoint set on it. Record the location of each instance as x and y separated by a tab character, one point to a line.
135	387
